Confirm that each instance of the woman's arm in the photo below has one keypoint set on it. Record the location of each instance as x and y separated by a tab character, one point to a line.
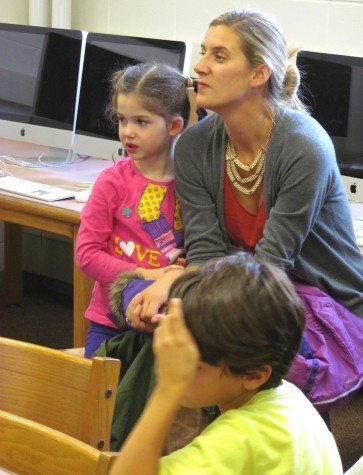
176	361
300	190
198	162
199	177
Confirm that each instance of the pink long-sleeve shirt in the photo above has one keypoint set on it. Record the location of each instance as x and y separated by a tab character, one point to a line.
128	221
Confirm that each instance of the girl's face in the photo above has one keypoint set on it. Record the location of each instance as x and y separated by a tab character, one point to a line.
224	72
144	135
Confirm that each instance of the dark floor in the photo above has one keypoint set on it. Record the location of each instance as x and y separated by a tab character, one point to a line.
347	427
45	317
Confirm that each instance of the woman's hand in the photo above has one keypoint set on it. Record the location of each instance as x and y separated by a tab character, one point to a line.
146	305
133	316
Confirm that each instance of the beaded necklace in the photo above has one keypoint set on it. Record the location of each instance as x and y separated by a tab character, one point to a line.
258	163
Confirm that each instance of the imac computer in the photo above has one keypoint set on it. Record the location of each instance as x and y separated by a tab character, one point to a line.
39	71
333	87
104	54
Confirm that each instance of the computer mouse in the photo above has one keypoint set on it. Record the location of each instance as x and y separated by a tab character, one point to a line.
82	196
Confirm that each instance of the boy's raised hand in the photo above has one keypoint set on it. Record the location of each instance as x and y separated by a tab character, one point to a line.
175	350
176	356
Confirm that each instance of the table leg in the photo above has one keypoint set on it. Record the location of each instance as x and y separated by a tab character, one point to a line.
13	266
82	290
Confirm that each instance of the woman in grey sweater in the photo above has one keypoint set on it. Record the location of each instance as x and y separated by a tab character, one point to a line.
307	228
260	174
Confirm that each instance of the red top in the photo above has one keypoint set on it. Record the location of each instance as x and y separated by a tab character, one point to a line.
244	229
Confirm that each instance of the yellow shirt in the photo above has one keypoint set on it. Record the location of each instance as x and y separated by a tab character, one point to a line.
278	432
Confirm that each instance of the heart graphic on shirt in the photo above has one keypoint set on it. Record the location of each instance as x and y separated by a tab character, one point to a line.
128	248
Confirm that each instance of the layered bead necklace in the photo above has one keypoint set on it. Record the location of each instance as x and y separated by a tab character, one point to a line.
258	164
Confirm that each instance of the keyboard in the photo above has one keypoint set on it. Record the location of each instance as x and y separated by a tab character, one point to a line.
33	189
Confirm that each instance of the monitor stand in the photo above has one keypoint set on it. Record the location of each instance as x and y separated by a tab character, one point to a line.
51	157
354	188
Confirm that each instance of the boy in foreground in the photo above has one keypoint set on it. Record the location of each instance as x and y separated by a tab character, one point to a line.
232	330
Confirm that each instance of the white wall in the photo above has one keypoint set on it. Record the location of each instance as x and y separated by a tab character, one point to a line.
321	25
326	25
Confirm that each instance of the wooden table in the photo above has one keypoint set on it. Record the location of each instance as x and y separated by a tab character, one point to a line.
58	217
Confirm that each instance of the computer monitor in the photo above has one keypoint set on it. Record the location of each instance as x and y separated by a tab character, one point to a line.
333	87
39	71
104	54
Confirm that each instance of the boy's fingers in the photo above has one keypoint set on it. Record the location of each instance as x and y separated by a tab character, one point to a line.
156	318
174	320
175	307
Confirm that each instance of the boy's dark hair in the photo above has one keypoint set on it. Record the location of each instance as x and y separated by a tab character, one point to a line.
243	314
162	89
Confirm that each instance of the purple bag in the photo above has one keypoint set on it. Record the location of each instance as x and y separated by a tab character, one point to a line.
329	366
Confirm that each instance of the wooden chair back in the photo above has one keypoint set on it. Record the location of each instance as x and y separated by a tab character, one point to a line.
29	448
65	392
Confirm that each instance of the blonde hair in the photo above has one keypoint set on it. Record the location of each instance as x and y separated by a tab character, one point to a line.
263	42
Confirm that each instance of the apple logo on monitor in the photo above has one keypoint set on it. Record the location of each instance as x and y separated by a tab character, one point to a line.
353	188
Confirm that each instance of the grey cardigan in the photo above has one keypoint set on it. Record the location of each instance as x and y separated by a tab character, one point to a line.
308	227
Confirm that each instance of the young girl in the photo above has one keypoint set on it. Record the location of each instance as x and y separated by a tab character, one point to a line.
132	219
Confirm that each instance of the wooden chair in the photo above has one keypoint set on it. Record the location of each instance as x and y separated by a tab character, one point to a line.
29	448
67	393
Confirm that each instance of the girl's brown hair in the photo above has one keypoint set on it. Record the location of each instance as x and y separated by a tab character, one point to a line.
162	89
